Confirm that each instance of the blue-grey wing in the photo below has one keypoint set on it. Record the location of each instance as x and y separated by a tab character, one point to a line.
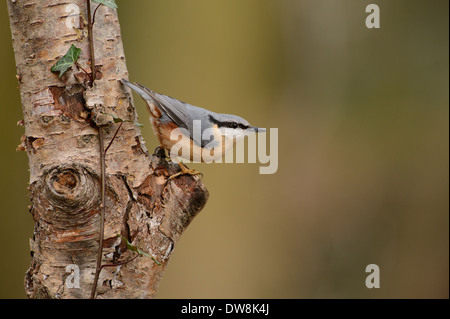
173	108
193	118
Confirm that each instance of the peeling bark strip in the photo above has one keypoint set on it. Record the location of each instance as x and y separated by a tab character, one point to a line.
63	152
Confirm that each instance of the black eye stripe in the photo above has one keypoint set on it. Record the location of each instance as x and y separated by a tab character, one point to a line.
228	124
234	125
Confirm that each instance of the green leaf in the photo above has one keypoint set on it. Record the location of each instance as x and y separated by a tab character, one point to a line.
139	251
63	64
109	3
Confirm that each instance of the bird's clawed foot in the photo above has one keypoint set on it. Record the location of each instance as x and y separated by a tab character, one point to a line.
185	171
160	152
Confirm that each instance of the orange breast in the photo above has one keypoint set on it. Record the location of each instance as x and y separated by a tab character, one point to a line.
163	132
153	109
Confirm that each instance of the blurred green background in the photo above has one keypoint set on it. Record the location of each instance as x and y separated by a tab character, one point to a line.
363	119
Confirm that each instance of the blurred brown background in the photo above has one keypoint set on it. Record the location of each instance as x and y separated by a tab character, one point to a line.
363	145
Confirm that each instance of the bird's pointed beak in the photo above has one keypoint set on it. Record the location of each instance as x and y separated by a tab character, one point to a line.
258	129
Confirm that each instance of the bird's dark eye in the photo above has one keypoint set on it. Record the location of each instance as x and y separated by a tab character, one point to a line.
234	125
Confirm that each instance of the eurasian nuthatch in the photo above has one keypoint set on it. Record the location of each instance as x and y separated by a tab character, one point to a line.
216	132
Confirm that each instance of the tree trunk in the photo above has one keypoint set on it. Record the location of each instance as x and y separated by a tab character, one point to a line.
62	118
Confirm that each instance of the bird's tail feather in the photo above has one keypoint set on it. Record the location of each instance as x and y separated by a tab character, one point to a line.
139	90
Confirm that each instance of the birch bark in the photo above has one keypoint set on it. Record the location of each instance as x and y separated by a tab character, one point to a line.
61	120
